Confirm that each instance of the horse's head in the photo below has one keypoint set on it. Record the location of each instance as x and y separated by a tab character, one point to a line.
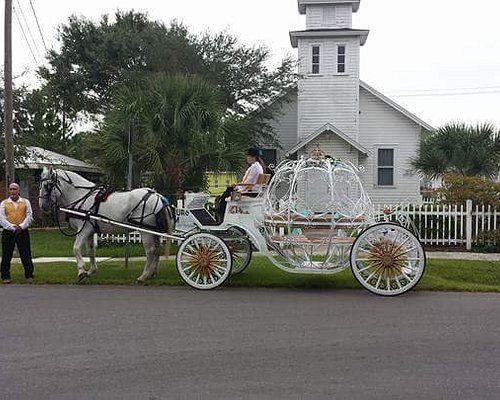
47	196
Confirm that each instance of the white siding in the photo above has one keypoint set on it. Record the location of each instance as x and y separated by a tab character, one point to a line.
285	125
343	16
316	16
383	126
328	96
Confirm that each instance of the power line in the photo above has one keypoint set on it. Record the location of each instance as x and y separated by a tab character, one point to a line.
446	94
38	25
28	28
444	89
24	34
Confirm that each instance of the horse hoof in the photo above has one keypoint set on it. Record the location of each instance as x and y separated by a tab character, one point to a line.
81	277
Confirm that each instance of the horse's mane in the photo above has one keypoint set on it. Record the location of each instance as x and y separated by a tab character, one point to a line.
77	180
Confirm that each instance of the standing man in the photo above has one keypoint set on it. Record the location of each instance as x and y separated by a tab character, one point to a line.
15	217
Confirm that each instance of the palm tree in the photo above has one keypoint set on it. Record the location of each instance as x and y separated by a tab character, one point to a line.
458	148
180	129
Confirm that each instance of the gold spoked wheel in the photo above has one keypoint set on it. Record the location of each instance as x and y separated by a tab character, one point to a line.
387	259
204	261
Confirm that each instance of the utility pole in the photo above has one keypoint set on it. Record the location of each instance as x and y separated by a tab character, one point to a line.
9	136
130	181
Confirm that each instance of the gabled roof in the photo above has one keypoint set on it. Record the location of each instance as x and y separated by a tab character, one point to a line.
332	128
396	106
37	158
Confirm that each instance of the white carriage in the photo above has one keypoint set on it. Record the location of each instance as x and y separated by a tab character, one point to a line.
313	217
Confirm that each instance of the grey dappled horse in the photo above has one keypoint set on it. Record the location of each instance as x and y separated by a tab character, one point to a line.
60	188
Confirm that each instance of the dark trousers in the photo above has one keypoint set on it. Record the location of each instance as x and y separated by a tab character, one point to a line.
22	240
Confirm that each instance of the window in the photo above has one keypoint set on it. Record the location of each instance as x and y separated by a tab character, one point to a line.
341	59
315	59
385	167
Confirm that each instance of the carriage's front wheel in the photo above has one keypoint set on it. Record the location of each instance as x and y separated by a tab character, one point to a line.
204	261
387	259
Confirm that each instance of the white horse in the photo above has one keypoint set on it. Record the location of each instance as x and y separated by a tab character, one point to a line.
144	207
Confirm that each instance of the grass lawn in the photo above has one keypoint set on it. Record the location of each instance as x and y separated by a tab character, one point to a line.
52	243
444	275
441	275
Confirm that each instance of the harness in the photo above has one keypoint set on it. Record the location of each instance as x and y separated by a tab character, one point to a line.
100	194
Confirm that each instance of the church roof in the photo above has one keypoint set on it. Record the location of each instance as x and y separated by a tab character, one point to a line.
331	128
304	3
327	33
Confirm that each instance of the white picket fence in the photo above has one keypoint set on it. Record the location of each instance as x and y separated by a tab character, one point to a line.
439	225
451	225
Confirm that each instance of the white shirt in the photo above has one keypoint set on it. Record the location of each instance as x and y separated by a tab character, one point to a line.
28	219
251	176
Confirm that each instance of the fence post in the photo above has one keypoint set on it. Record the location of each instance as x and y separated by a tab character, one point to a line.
468	224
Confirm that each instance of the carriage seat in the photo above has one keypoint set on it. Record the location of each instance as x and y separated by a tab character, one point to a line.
256	188
262	181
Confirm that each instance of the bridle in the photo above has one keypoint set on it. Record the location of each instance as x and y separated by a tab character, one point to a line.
51	183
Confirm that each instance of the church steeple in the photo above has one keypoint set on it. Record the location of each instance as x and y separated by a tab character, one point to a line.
328	54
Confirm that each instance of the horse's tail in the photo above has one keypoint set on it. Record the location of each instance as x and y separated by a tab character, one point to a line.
165	221
165	217
170	226
169	218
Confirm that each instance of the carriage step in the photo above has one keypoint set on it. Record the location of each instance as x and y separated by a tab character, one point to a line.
300	239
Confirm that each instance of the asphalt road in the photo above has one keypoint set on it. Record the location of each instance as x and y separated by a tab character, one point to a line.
71	342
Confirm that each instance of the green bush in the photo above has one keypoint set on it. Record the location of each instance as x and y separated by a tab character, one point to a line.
487	242
458	188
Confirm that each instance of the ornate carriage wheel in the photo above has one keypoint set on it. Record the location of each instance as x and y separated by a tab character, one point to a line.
387	259
240	248
204	261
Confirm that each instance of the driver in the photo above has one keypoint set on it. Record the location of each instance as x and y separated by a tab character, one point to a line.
248	185
256	167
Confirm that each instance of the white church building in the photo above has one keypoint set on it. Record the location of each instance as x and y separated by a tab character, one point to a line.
348	119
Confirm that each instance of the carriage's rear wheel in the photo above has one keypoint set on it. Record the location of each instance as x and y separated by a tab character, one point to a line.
387	259
204	261
240	248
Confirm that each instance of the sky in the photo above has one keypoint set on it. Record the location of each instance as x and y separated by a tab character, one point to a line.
440	59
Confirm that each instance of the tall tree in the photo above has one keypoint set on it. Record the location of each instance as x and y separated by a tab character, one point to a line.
179	130
95	58
462	149
43	125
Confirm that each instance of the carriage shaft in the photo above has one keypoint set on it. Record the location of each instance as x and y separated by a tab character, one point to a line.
121	224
